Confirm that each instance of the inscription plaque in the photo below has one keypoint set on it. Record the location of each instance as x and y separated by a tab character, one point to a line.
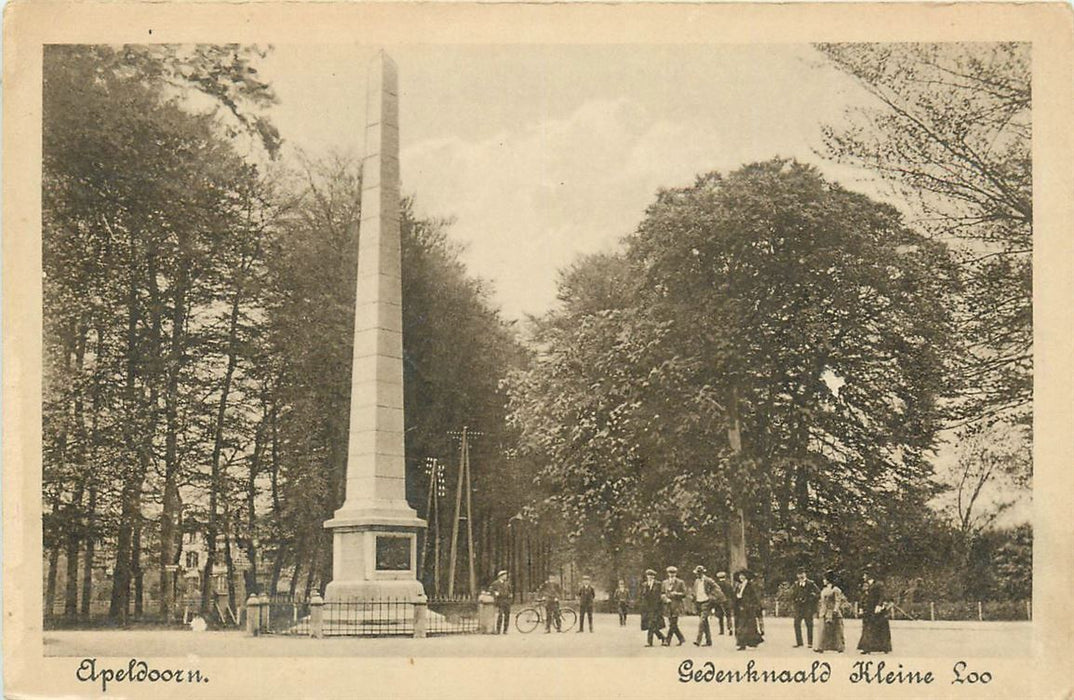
393	553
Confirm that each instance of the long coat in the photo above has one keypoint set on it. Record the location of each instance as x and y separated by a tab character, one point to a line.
875	630
651	605
747	602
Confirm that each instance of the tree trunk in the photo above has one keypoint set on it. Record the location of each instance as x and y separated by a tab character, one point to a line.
136	567
229	560
50	580
90	539
218	445
170	537
736	531
251	505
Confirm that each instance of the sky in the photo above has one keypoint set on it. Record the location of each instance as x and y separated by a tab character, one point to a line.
540	154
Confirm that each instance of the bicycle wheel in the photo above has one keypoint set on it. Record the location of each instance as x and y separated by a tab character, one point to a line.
568	618
527	620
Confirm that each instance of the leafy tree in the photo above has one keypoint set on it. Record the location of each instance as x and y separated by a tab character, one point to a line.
141	198
767	306
950	127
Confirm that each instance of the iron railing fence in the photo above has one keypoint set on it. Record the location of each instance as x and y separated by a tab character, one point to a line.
384	617
453	616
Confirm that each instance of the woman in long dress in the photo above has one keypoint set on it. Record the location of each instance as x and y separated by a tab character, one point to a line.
831	616
875	630
747	604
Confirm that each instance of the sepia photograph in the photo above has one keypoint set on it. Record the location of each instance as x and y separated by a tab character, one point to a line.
716	355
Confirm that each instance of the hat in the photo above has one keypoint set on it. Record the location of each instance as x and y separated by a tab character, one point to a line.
650	572
586	577
721	574
673	569
699	569
502	573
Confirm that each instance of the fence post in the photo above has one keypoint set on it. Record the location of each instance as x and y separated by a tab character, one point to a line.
316	616
266	612
253	616
980	612
421	618
1029	611
932	611
777	607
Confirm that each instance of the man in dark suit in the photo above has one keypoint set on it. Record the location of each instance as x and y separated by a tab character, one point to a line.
805	595
501	591
586	596
650	600
674	593
549	593
725	609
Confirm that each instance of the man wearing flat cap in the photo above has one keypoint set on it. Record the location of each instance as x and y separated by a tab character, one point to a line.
706	594
650	599
501	590
674	593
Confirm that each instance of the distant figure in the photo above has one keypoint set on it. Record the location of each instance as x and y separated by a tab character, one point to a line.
875	630
805	594
549	594
831	616
706	594
622	601
674	593
650	599
725	610
747	603
501	590
586	596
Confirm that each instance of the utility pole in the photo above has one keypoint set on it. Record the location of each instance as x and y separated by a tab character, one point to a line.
463	482
435	470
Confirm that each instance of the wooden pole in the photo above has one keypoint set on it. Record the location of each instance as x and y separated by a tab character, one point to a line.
455	524
469	515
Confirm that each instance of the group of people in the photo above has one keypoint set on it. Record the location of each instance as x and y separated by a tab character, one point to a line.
828	604
737	604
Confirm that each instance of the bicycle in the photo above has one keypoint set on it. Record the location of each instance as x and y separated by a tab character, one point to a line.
529	619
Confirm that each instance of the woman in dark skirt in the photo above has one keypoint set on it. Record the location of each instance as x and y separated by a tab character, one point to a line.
747	605
875	630
831	616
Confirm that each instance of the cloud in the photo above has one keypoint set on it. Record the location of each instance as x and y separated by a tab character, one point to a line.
529	201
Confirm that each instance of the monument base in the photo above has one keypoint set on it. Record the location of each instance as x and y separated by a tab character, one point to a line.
374	554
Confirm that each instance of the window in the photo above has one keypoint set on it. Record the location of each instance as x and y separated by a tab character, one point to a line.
191	560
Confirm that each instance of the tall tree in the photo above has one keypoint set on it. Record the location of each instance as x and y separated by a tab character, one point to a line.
950	127
806	314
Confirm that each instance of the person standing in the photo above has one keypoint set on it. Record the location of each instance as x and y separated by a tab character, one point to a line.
501	591
622	601
805	595
875	630
747	603
586	596
650	600
725	609
674	593
549	593
706	594
831	616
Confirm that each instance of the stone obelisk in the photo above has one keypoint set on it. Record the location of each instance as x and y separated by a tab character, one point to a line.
374	533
